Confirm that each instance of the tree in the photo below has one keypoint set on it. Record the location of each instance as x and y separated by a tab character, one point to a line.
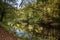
41	17
36	18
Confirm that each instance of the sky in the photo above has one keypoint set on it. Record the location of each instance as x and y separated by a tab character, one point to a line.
17	3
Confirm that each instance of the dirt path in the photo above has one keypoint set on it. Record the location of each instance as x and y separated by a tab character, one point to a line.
5	35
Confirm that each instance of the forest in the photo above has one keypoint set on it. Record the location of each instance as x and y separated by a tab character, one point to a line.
31	19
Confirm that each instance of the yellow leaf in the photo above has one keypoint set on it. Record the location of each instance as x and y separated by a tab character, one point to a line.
36	30
49	10
18	25
30	27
